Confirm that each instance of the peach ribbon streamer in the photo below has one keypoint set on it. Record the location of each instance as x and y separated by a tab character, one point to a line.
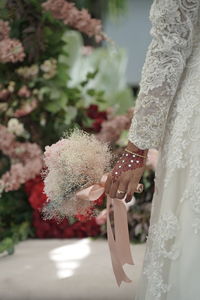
119	244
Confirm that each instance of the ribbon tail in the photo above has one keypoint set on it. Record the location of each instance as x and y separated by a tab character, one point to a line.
116	254
121	232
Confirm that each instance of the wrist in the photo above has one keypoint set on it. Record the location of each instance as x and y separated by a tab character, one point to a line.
132	147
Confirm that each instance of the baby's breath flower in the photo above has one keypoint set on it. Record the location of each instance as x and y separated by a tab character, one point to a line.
73	163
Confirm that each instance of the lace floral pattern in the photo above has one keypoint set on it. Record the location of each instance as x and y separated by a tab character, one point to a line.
180	151
182	134
192	194
160	234
171	72
173	24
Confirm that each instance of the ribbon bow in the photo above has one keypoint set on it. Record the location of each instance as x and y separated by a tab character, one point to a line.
120	245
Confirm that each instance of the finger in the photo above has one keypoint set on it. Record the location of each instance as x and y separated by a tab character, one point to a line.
123	185
132	188
128	197
135	183
113	189
108	183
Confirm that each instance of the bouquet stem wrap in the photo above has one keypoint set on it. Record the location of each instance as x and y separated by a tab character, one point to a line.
119	243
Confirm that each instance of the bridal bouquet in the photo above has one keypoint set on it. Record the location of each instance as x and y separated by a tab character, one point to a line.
75	163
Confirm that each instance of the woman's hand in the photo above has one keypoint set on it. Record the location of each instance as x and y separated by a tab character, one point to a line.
126	174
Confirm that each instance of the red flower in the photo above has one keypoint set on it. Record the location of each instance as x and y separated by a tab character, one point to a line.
102	115
87	216
92	111
99	201
42	228
52	229
99	116
81	218
29	185
35	191
86	226
68	232
37	197
97	124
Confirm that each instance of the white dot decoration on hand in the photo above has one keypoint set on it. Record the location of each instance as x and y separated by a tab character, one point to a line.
122	160
131	160
116	172
129	165
126	154
133	155
137	161
120	166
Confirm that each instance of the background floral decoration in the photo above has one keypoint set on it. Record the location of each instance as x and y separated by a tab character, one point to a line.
52	81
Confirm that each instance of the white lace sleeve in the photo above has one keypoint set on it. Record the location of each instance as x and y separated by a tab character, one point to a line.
172	30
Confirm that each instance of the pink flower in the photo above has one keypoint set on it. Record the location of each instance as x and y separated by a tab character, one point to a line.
26	108
112	129
101	218
26	160
6	140
79	19
20	173
58	7
86	24
4	30
11	51
24	92
4	94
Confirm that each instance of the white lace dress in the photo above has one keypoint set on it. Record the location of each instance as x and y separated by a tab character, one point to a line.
167	118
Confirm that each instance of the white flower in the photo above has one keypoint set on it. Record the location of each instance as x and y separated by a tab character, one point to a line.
15	127
11	86
49	67
3	106
28	72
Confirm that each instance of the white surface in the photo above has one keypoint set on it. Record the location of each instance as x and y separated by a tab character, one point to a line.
65	269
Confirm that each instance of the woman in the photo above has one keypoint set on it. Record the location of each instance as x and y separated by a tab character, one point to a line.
167	118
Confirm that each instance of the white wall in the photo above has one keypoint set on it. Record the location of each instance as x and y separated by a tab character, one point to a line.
132	32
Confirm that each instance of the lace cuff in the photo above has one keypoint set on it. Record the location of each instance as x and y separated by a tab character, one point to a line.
172	33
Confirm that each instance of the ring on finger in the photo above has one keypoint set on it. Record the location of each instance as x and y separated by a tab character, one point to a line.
120	192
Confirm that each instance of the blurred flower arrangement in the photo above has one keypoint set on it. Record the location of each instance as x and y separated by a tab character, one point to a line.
26	159
78	19
50	83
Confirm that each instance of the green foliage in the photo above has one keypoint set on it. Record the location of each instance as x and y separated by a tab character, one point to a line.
15	220
100	74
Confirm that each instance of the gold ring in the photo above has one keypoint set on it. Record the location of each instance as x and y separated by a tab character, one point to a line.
120	192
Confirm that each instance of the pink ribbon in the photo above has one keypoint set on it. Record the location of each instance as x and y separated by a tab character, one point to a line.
119	243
